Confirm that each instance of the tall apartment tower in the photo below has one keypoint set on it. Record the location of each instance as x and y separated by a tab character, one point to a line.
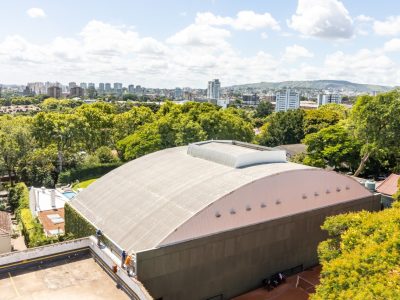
213	91
101	87
286	100
71	85
76	91
131	89
83	85
329	98
107	87
54	91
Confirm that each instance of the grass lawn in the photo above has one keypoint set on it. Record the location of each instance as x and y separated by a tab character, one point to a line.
83	184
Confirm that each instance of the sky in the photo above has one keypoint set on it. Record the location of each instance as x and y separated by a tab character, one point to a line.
177	43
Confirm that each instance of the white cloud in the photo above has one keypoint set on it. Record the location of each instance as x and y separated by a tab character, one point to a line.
200	35
364	66
105	52
364	18
294	52
35	12
245	20
264	35
392	46
391	26
322	18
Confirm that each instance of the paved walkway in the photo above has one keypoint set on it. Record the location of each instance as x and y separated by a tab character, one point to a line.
291	290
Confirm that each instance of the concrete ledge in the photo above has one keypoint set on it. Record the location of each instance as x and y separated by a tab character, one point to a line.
35	256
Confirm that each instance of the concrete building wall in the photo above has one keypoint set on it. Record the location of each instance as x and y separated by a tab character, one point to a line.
5	243
236	261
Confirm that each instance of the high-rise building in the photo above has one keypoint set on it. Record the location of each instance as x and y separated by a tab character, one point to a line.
54	91
329	98
83	85
27	91
138	90
286	100
91	85
213	90
107	87
101	87
77	91
178	93
131	88
117	86
38	88
71	85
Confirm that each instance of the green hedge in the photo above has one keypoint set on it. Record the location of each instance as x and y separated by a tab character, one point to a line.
76	224
31	229
18	196
86	173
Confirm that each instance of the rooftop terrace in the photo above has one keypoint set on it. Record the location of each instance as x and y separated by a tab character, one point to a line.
71	278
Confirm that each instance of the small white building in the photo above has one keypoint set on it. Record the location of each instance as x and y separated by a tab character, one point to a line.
223	103
48	206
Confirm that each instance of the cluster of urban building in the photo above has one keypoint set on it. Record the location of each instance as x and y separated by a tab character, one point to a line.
91	90
282	99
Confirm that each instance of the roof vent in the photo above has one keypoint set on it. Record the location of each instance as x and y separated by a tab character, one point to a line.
263	205
338	189
278	202
328	191
233	211
316	194
248	208
217	214
347	187
304	196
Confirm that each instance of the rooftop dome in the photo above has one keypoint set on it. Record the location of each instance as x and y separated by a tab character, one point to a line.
188	192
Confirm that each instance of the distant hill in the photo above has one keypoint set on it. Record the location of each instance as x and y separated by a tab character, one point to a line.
317	84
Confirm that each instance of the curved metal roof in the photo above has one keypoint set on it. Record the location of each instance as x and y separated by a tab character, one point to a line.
140	204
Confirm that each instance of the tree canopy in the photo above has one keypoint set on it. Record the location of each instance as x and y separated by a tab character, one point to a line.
361	258
375	123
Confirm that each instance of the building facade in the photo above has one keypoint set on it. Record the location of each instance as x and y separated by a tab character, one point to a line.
77	91
213	91
212	219
286	100
5	232
54	91
251	100
101	87
323	99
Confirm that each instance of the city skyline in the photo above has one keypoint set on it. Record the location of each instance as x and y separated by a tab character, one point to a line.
182	44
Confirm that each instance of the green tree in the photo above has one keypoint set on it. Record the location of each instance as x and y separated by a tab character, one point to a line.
15	143
375	121
263	109
41	167
142	142
332	146
282	128
126	123
105	155
326	115
361	258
